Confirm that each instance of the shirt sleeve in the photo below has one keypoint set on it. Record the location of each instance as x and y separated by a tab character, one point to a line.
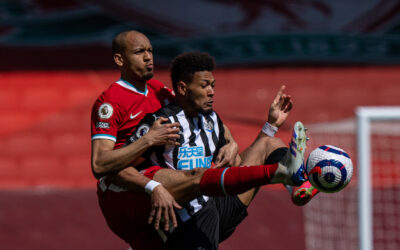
104	120
164	94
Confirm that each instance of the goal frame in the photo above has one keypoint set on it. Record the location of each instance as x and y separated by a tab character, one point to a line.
365	115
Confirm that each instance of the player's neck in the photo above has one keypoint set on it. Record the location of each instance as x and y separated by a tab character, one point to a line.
189	111
138	84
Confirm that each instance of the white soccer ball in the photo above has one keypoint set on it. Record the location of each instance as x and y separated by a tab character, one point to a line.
329	168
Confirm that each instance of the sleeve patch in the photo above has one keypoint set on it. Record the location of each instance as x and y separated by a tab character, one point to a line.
105	111
102	125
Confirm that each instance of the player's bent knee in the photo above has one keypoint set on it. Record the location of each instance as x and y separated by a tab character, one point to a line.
275	142
181	183
276	155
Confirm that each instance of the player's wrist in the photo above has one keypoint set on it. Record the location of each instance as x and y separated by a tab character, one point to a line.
231	142
148	140
269	129
150	186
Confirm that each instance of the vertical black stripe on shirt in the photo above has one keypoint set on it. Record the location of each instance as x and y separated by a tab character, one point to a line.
176	148
159	152
221	137
204	138
201	200
192	137
213	134
160	157
190	208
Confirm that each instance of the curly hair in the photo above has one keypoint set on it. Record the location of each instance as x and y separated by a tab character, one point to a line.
185	65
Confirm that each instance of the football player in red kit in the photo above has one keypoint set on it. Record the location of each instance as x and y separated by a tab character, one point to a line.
119	109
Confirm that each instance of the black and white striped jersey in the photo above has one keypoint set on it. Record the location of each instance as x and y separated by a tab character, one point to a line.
201	137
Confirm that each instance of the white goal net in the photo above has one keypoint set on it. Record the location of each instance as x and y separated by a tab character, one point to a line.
350	219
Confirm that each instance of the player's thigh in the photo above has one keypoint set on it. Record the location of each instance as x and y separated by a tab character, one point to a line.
260	150
184	185
126	214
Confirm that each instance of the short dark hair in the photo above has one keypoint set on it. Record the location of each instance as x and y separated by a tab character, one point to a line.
118	43
185	65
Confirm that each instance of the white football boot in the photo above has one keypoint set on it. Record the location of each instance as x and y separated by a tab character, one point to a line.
302	191
291	168
295	155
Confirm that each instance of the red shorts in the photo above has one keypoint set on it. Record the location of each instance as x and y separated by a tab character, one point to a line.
126	213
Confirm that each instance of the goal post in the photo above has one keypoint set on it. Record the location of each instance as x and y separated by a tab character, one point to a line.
365	205
366	214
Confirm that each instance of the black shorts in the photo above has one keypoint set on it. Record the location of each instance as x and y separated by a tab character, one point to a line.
214	223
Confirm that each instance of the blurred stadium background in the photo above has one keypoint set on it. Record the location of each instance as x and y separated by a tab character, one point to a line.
56	59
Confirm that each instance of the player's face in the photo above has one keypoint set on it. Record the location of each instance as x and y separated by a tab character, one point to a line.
200	92
138	57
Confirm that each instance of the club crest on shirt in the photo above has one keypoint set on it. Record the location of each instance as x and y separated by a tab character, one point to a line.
142	130
105	111
209	126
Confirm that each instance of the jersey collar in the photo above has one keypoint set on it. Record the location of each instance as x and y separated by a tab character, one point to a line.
129	86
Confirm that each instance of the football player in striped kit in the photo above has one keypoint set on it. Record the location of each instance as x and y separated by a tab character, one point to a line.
206	221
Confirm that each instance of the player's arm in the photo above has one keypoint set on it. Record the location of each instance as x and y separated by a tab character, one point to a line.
278	113
160	133
280	108
162	202
106	160
228	154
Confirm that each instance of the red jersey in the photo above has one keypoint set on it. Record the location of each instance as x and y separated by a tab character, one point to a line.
119	108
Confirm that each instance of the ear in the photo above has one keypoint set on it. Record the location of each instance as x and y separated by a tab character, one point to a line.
118	60
182	88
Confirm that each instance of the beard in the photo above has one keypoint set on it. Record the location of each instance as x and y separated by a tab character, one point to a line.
148	76
206	111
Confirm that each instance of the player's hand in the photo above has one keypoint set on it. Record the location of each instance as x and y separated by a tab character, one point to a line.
162	133
280	108
162	206
227	155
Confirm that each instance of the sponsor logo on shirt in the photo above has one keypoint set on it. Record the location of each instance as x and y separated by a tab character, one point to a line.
193	157
102	125
105	111
134	116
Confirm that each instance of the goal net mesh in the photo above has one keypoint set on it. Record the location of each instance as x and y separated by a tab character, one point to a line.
331	220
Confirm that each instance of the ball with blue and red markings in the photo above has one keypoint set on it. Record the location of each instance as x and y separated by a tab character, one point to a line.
329	168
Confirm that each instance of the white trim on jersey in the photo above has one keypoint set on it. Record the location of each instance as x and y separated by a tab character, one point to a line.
104	136
129	86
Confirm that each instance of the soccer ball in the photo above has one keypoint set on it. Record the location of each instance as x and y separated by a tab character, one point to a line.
329	168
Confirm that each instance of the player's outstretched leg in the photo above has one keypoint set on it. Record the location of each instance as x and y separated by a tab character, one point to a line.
237	180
